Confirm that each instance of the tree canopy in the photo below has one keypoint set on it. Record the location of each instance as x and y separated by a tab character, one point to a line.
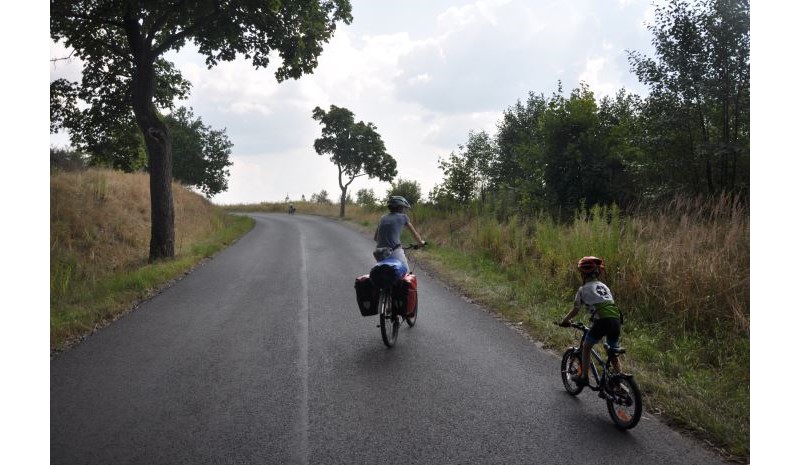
355	148
122	44
201	155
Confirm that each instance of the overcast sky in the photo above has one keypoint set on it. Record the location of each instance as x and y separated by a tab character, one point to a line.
425	72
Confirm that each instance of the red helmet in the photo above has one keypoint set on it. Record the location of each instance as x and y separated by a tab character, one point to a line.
588	265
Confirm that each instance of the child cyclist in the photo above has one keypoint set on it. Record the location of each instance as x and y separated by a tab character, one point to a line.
605	316
387	236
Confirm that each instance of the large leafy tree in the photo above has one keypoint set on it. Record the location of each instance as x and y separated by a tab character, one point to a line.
201	155
122	44
406	188
355	148
698	111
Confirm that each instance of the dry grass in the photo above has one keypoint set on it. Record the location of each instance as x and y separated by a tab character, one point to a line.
100	221
99	244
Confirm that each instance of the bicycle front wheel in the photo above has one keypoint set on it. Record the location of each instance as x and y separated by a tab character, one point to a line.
625	403
570	367
390	323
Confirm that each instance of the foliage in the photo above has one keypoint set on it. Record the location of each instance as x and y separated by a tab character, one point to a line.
519	161
579	166
321	197
67	159
355	148
407	188
698	111
201	155
366	198
125	76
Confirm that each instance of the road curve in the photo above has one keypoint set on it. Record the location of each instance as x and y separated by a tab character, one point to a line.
260	356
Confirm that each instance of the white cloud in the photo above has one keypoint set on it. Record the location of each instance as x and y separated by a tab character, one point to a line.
592	76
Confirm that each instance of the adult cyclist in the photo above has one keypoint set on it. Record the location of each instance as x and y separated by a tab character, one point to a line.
387	235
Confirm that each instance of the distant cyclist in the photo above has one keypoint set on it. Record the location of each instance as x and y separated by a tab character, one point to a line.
387	236
604	314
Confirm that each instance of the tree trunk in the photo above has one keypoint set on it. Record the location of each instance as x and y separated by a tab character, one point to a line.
342	200
159	156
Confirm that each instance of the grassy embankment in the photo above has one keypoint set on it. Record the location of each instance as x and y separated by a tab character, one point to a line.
99	242
681	277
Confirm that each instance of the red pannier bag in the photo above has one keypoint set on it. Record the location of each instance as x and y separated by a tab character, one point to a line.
366	296
404	294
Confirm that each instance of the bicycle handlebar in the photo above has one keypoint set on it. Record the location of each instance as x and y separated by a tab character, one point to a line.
414	246
576	325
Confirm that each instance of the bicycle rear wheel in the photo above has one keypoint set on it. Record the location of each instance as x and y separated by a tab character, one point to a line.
625	405
570	366
390	323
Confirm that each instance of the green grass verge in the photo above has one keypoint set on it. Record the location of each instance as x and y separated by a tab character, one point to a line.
680	374
90	305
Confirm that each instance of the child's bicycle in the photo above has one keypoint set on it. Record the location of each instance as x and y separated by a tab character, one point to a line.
622	395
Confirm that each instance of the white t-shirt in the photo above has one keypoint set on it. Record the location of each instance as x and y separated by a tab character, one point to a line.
591	294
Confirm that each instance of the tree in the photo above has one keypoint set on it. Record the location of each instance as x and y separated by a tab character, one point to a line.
123	42
698	112
66	159
467	173
322	197
518	161
407	188
201	155
366	198
579	166
459	180
355	148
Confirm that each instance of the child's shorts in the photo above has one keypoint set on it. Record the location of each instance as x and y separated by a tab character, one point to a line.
608	327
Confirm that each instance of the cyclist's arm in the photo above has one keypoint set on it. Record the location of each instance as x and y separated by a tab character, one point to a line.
415	233
568	318
575	309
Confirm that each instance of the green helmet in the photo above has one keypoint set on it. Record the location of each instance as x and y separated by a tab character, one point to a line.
398	201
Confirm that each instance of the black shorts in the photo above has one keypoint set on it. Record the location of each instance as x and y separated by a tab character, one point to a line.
608	327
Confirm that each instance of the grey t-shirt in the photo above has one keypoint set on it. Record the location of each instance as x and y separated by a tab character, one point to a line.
389	229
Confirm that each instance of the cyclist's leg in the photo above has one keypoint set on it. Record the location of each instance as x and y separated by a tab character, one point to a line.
613	329
586	353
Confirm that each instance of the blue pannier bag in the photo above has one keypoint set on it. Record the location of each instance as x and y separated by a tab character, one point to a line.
386	272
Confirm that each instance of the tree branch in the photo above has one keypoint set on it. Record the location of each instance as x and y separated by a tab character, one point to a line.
183	34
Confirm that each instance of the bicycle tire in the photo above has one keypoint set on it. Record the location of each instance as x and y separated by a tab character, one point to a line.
569	366
625	406
390	323
413	320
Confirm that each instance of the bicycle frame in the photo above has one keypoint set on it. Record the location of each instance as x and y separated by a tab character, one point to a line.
596	360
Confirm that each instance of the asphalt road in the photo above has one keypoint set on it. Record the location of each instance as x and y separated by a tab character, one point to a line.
260	356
